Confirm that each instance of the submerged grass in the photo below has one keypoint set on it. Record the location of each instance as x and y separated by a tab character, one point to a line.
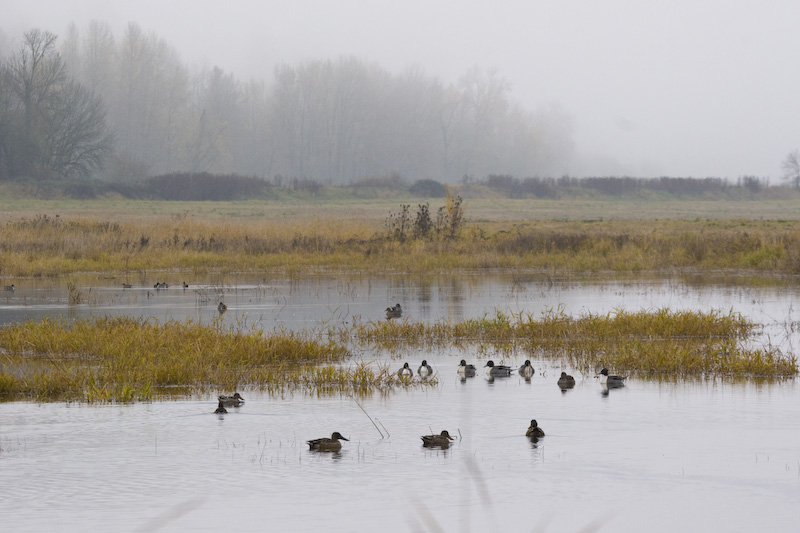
126	359
661	341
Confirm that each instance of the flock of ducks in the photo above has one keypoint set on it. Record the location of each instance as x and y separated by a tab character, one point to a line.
443	439
526	371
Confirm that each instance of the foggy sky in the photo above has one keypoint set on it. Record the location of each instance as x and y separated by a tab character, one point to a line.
682	88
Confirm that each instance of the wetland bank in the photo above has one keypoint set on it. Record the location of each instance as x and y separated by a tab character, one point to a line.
128	378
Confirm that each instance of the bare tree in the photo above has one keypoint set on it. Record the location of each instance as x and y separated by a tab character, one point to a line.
791	169
59	124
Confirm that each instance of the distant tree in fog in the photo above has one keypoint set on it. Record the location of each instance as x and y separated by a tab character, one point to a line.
331	121
52	126
791	168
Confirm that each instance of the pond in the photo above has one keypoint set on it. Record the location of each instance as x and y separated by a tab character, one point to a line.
655	455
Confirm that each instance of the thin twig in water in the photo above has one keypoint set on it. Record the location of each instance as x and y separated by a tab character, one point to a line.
370	418
384	428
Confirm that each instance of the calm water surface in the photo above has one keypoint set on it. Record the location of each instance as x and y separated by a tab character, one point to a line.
653	456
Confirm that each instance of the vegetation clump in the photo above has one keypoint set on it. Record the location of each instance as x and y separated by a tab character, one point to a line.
126	359
662	341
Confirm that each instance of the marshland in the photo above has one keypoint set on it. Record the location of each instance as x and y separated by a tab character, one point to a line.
118	379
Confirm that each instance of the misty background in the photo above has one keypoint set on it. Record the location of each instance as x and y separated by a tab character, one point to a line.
337	91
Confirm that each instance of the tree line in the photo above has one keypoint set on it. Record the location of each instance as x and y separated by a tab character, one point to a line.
125	107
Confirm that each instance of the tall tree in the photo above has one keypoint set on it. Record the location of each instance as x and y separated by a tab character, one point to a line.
791	168
59	125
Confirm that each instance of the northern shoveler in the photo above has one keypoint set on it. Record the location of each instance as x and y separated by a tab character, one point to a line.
327	444
566	381
465	370
405	372
425	371
231	401
394	312
496	371
526	370
441	440
534	431
611	381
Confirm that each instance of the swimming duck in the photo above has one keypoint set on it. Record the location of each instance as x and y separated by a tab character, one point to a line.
221	408
127	286
566	381
611	381
9	287
425	371
394	312
231	401
405	372
465	370
185	285
327	444
442	440
222	307
534	431
496	371
526	370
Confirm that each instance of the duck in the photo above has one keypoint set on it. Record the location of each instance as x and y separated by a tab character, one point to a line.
394	312
231	401
185	285
405	372
526	370
161	285
611	381
9	287
497	371
327	444
127	286
425	371
465	370
534	431
221	307
220	409
442	440
566	381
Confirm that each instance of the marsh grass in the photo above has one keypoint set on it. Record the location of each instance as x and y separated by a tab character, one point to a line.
125	359
46	245
661	341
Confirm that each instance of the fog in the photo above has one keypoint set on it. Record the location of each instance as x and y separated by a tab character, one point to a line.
679	88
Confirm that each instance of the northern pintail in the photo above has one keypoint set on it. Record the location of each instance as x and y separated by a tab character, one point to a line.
327	444
526	370
185	285
221	408
425	371
232	401
405	372
496	371
611	381
394	312
534	431
442	440
566	381
465	370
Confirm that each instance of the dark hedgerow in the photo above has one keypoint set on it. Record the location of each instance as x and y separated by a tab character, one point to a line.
202	186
